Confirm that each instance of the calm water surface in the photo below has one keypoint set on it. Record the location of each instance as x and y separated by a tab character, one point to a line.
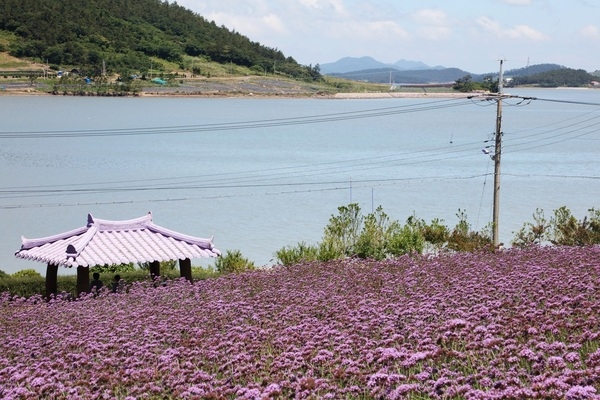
275	177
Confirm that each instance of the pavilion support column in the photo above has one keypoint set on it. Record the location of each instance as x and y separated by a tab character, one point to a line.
185	269
83	280
154	269
51	280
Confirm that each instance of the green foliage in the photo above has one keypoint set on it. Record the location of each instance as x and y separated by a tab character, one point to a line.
406	239
204	272
165	266
127	34
233	261
350	234
3	274
532	232
568	231
75	84
112	269
555	78
329	251
464	84
563	229
27	286
26	273
342	231
291	255
467	84
463	238
35	284
435	235
23	286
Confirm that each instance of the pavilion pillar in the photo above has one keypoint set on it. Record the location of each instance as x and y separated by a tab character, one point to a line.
51	280
154	269
83	280
185	269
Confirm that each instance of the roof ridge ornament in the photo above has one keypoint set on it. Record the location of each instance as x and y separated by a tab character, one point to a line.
72	252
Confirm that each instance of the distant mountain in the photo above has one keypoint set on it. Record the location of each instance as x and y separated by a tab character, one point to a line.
413	65
531	70
352	64
392	75
415	72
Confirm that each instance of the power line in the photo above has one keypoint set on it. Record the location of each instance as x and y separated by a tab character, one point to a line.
266	123
250	178
408	158
355	184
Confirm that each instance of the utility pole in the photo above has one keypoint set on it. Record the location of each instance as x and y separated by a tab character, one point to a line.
497	156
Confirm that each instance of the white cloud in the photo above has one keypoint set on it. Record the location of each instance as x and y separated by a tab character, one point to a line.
434	24
516	32
430	17
435	33
369	30
518	2
336	5
590	32
274	23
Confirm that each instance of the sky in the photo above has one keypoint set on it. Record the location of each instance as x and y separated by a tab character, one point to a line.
473	35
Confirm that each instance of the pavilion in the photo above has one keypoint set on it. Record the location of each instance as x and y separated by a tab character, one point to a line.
104	242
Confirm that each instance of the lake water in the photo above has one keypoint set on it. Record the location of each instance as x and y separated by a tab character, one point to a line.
261	174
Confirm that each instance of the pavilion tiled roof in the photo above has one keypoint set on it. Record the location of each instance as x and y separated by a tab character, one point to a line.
103	242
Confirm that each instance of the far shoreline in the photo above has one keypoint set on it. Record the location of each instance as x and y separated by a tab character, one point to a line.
175	93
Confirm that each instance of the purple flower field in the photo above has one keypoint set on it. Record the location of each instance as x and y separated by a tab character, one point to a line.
519	324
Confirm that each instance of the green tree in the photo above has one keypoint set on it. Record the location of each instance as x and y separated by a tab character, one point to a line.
490	84
464	84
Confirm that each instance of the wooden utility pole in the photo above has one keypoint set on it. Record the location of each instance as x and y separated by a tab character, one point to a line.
497	156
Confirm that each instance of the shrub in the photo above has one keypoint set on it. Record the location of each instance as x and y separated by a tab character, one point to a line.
462	238
26	273
406	239
165	266
375	236
204	272
563	229
233	261
23	286
112	269
293	255
27	286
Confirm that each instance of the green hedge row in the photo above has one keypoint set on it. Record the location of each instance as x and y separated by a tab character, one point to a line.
27	286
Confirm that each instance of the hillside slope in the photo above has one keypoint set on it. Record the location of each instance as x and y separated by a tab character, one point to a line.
127	35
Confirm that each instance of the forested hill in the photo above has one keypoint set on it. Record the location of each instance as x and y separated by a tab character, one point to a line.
124	34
